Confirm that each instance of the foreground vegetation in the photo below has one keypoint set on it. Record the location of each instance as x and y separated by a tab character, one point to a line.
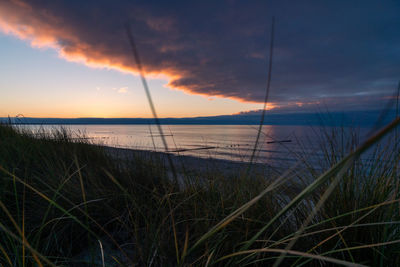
66	202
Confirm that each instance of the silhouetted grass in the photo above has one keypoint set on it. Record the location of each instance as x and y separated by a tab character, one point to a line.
66	202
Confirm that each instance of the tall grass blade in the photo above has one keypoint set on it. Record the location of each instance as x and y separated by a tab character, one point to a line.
6	257
149	98
102	253
271	52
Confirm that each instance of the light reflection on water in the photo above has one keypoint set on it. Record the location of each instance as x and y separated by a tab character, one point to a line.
230	142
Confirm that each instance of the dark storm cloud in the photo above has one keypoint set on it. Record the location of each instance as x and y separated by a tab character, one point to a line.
324	49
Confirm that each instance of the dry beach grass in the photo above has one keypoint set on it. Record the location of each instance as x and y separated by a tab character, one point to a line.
65	202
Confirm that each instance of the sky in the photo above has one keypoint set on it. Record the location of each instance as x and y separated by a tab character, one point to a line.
72	58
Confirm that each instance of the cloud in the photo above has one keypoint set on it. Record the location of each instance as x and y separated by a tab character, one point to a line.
375	102
123	90
323	50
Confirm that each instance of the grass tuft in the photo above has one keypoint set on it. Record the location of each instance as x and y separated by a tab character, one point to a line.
67	202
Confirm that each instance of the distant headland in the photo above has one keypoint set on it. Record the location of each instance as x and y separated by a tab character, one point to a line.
349	118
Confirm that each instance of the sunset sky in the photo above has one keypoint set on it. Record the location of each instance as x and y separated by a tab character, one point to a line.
70	58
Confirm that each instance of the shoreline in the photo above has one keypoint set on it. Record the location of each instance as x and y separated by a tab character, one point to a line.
192	164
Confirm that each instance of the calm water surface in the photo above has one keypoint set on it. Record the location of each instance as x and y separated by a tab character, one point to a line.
231	142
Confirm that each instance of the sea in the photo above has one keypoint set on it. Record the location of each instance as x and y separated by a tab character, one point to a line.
276	144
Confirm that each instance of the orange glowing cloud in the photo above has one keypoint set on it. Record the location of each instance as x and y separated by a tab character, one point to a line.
80	41
222	56
20	21
43	36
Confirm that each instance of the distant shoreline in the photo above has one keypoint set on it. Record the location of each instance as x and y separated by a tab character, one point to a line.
345	118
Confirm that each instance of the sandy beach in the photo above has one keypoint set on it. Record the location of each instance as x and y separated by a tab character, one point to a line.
193	165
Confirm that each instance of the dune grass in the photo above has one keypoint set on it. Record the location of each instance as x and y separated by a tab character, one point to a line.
66	202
